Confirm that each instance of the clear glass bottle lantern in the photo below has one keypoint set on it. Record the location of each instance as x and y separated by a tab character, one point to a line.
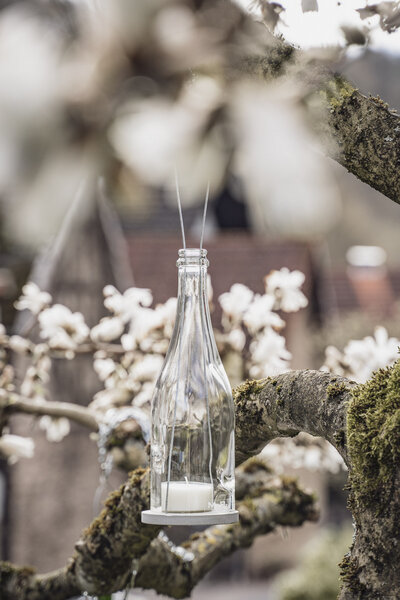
193	439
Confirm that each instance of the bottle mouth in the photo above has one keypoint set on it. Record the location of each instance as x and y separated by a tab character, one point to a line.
192	256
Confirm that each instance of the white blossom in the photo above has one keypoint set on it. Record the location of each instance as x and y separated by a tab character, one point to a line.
14	447
33	299
105	399
236	339
125	305
143	322
372	353
285	286
148	368
19	344
269	356
107	330
235	302
63	328
259	314
166	313
56	428
145	394
104	367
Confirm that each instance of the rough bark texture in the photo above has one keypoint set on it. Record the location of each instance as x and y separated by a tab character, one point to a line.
361	133
362	422
371	570
266	502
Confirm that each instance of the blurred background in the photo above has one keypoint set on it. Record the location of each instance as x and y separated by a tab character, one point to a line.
98	104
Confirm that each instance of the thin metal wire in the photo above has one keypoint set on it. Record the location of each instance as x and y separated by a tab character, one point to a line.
178	197
204	216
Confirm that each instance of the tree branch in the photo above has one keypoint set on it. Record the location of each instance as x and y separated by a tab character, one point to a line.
361	133
309	401
82	415
175	571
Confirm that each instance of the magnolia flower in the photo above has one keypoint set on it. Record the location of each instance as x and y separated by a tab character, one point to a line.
107	330
105	399
19	344
269	356
236	339
284	285
259	314
372	353
144	396
166	313
14	447
63	328
56	428
148	368
125	305
142	324
104	367
33	299
235	302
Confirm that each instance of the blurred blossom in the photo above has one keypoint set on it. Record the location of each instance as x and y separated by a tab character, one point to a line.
14	447
33	299
125	305
287	182
63	328
269	356
236	339
108	329
360	358
148	368
285	286
235	302
104	367
260	314
56	428
303	452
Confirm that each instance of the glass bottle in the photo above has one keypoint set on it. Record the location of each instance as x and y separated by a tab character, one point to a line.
192	439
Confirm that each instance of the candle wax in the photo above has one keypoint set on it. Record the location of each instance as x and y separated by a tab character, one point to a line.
187	496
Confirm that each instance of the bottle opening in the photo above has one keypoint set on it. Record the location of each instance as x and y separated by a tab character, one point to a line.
192	256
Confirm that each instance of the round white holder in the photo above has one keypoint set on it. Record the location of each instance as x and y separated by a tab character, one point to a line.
214	517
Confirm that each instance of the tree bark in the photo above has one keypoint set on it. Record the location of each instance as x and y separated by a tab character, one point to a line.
361	133
362	422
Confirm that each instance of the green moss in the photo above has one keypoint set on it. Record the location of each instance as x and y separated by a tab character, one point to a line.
336	91
18	577
252	465
243	391
334	390
349	574
373	434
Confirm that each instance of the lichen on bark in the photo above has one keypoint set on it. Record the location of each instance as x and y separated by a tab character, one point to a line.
373	433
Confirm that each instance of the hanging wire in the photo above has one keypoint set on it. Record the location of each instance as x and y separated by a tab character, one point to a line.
178	197
204	216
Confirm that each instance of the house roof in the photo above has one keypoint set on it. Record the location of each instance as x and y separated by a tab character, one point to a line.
234	257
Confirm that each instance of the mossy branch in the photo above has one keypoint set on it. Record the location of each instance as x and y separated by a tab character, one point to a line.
359	132
310	401
103	559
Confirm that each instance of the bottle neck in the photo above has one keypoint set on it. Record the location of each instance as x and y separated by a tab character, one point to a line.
193	314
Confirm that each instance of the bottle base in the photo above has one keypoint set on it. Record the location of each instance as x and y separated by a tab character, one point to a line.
157	517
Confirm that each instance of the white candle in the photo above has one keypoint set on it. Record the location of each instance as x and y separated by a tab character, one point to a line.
187	496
